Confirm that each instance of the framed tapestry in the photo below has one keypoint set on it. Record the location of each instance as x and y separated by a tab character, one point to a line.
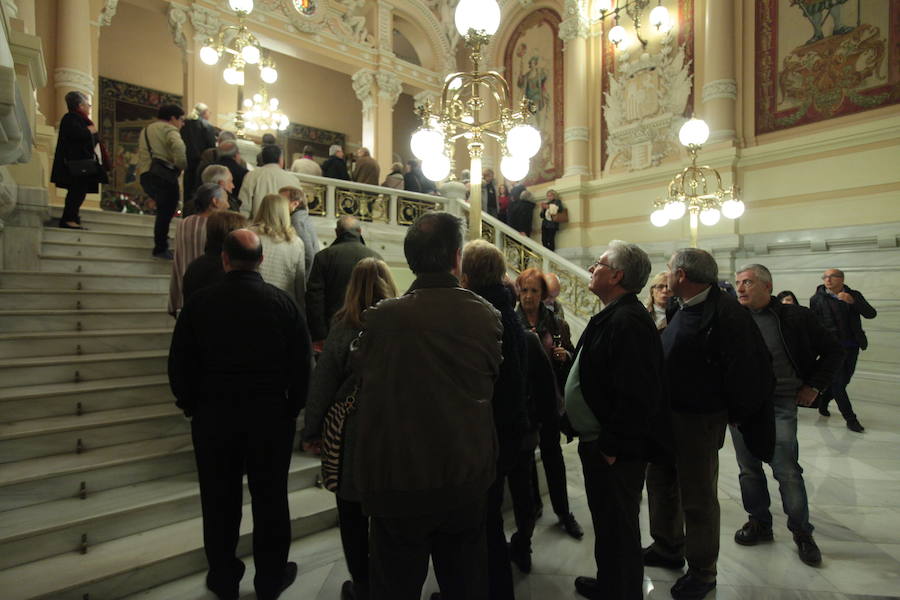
125	109
533	61
647	93
820	59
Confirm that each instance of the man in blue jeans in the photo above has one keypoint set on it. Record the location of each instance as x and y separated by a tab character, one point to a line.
805	357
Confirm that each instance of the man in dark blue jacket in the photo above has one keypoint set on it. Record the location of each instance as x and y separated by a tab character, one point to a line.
839	310
615	402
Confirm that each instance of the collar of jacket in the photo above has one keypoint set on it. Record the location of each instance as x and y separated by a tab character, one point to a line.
824	291
434	280
606	313
709	307
243	276
348	236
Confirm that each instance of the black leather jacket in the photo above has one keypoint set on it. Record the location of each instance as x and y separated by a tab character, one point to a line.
843	319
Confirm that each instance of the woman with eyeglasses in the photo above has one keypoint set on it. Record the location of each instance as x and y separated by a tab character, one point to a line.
659	299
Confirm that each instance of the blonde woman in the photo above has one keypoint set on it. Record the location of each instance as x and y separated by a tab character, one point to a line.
284	256
370	282
659	299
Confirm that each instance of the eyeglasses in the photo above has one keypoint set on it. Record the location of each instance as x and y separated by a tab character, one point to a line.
824	277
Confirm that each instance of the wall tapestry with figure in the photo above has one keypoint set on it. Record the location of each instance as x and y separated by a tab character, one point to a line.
125	109
533	64
647	93
820	59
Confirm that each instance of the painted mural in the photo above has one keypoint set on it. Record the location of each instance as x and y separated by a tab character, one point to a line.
647	93
534	68
820	59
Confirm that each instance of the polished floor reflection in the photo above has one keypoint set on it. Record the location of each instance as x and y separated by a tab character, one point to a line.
853	483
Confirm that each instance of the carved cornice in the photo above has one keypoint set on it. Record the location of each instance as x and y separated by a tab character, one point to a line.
108	12
206	22
719	89
576	134
73	78
178	17
389	86
364	86
575	24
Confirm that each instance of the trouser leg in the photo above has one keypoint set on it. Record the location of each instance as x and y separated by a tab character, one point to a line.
74	199
786	466
520	479
398	560
268	462
752	478
554	467
665	511
354	526
842	380
166	205
614	498
500	581
459	554
548	239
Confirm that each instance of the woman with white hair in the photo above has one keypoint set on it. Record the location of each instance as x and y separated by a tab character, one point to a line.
198	135
284	256
336	166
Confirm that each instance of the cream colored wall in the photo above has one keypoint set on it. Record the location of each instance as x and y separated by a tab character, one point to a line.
45	28
405	123
138	48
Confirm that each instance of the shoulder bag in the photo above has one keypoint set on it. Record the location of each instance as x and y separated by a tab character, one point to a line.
333	428
160	168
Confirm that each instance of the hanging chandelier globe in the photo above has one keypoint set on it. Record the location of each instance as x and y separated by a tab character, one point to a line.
482	16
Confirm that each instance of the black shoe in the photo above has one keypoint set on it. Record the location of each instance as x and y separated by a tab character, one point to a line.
689	587
287	579
571	526
753	532
227	591
809	551
588	587
435	596
652	558
823	410
164	255
347	592
520	553
854	425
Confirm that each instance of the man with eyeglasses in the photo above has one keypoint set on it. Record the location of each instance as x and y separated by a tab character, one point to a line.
805	357
718	372
839	310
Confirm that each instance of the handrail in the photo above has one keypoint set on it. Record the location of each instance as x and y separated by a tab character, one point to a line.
400	207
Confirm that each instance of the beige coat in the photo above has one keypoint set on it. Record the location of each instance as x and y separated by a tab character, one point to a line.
166	142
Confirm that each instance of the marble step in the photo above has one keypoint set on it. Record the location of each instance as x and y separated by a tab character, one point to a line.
90	236
62	399
81	367
24	440
48	478
93	215
118	251
11	299
125	566
82	320
23	345
105	266
83	281
50	529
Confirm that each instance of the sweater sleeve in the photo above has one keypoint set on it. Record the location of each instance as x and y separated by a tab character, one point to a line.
315	299
176	148
329	375
246	194
300	276
862	306
829	351
182	368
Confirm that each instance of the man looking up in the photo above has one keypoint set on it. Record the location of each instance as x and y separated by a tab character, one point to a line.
805	357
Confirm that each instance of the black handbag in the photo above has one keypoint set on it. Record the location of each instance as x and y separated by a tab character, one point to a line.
83	167
160	168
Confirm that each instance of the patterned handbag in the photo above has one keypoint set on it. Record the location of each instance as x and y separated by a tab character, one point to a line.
333	428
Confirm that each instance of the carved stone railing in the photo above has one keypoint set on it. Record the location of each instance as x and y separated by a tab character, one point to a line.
376	204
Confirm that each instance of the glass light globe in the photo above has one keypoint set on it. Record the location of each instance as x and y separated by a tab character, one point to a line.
733	209
695	132
617	36
208	55
710	216
515	168
660	18
481	15
245	6
427	142
233	76
268	74
436	167
675	210
250	54
523	140
659	218
455	82
603	6
248	103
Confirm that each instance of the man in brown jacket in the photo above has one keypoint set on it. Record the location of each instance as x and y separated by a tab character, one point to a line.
427	363
367	169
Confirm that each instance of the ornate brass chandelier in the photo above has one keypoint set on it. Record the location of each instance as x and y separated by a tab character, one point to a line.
262	114
659	18
464	97
697	190
242	47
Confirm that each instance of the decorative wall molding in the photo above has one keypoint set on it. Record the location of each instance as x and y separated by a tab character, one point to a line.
108	12
178	17
73	78
389	86
576	23
576	134
206	22
720	89
364	86
577	170
385	26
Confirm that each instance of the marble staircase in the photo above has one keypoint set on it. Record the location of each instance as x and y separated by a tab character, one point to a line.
98	492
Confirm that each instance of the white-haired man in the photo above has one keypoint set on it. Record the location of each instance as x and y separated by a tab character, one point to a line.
336	166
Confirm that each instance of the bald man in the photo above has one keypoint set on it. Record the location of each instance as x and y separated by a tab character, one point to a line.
239	369
553	290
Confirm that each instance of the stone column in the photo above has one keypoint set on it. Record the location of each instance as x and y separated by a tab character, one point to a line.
74	71
378	91
719	84
574	32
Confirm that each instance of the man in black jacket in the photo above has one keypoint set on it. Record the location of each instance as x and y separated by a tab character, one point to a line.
805	357
330	275
839	309
615	401
718	372
239	368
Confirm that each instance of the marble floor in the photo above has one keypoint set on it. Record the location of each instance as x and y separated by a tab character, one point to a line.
853	482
